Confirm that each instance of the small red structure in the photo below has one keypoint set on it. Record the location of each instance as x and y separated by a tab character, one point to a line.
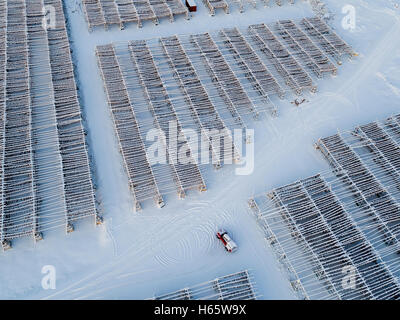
191	4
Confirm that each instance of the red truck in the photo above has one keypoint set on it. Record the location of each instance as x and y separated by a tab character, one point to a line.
228	243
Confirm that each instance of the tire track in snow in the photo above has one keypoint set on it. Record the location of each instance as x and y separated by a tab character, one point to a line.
138	250
190	242
185	250
196	238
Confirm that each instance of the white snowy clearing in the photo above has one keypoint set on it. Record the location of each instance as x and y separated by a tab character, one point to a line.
139	255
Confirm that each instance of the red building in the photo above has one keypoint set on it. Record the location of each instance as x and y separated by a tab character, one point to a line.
191	4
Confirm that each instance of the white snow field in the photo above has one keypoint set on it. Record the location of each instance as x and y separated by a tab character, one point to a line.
139	255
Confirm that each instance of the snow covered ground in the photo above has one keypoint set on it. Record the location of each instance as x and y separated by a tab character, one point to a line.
137	255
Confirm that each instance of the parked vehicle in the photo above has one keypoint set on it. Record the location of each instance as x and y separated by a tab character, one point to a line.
229	244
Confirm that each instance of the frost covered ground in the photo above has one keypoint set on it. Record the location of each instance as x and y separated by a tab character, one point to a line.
137	255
